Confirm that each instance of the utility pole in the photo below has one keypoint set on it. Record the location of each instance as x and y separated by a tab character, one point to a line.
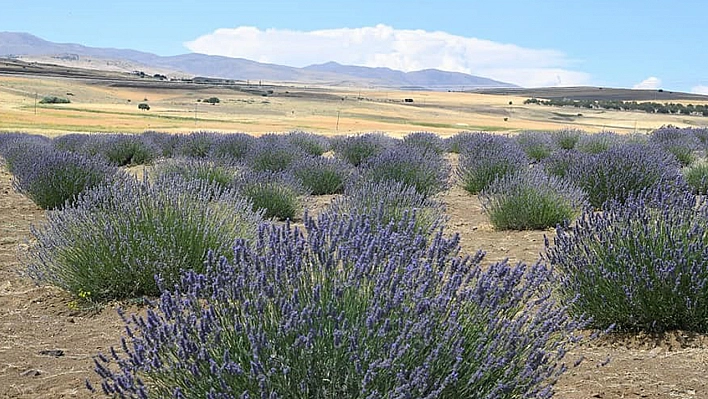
337	127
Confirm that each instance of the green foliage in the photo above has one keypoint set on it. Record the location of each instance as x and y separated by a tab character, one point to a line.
54	100
696	176
212	100
531	200
114	240
277	194
197	169
322	176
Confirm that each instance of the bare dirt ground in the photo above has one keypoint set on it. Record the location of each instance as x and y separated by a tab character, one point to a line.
46	348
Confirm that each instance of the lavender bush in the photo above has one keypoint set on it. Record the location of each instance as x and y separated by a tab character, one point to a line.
17	146
322	175
391	203
537	145
457	142
52	178
681	143
204	169
595	143
72	142
166	143
196	144
273	153
278	194
566	139
357	149
696	177
641	265
623	170
232	147
528	200
426	141
344	310
486	157
561	162
116	238
310	143
427	172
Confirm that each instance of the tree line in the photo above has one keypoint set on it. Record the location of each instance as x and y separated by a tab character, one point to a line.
650	107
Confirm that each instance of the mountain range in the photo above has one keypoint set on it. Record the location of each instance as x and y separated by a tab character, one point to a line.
29	47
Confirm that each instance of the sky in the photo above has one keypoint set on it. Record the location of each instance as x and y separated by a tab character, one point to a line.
613	43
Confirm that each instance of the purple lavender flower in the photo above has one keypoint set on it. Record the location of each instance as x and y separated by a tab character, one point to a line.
485	157
357	149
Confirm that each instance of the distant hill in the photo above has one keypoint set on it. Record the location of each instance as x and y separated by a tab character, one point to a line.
14	44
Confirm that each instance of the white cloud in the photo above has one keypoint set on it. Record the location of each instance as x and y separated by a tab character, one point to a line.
384	46
700	89
651	82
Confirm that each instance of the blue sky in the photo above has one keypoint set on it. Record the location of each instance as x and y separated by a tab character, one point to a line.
658	44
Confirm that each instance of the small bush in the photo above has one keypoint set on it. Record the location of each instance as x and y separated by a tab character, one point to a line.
166	143
537	145
696	177
681	143
321	175
277	194
54	100
531	200
125	149
641	265
566	139
621	171
196	144
357	149
389	203
273	153
15	147
426	142
73	142
54	178
309	143
560	163
427	172
456	143
595	143
346	311
197	169
232	147
116	238
486	157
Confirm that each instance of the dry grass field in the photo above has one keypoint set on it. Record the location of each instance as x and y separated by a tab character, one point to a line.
112	105
46	347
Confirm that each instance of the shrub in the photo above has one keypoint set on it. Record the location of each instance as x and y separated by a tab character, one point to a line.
166	142
17	146
560	163
681	143
232	147
309	143
54	100
536	144
486	157
322	176
426	142
696	177
198	169
195	144
623	170
125	149
116	238
427	172
73	142
528	200
273	153
456	143
357	149
566	139
390	203
54	178
641	265
277	194
345	311
595	143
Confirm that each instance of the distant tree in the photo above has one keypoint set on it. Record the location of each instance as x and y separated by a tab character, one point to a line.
212	100
54	100
143	107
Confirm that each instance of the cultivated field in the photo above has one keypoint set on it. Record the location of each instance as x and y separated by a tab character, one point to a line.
47	345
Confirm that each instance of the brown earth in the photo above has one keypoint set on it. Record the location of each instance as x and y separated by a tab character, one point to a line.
46	347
